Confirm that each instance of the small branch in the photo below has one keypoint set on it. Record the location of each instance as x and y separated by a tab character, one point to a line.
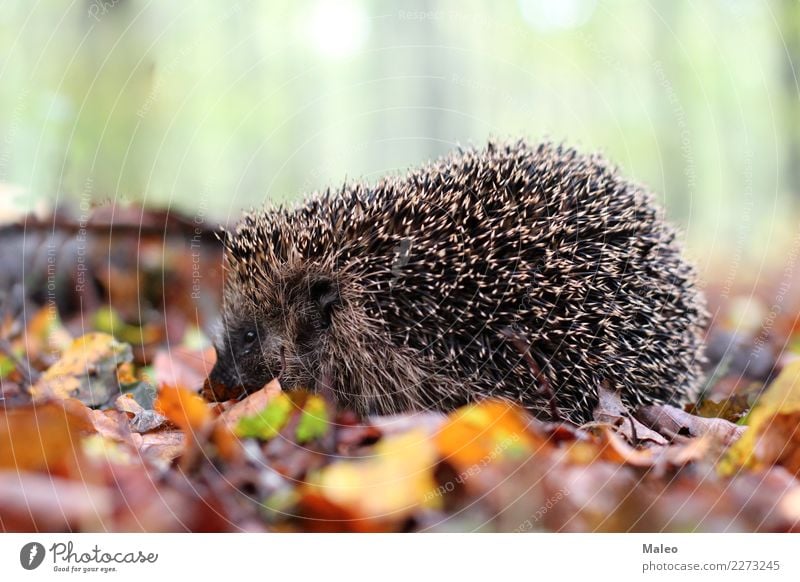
523	347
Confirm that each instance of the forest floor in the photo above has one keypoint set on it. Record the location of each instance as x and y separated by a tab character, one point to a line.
104	346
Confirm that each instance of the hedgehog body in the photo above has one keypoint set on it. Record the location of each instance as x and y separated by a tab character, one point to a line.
403	295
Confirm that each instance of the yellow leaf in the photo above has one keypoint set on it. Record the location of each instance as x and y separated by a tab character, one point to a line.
393	483
86	370
773	434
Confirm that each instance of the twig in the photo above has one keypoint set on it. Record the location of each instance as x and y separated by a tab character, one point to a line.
523	347
634	436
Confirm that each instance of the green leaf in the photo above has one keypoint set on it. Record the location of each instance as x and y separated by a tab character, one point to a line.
314	421
268	422
6	366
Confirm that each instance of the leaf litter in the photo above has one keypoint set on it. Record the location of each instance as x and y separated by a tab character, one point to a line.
102	428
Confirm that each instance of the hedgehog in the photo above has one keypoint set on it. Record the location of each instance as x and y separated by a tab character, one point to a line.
530	273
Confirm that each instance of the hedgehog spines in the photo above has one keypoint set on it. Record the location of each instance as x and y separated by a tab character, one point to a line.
433	266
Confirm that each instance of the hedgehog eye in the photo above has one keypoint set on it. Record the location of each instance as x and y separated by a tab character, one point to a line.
249	337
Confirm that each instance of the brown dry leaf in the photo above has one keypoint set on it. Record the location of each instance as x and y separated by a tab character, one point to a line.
126	374
87	370
228	445
773	432
611	410
143	420
113	425
44	437
127	403
321	515
674	455
146	421
163	446
676	423
614	448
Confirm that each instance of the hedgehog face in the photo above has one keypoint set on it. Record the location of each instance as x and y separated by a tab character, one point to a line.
280	334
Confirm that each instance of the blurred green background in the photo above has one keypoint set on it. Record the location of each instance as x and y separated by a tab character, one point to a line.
212	107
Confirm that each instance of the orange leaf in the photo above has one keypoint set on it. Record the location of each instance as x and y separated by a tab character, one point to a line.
183	407
43	437
479	433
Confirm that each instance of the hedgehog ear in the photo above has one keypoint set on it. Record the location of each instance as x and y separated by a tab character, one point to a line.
325	294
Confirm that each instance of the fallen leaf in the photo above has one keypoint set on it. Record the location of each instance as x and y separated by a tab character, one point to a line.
44	437
676	423
147	420
162	447
382	489
313	420
479	433
127	403
268	422
251	405
87	370
732	409
611	410
183	407
144	393
676	455
113	425
142	420
773	428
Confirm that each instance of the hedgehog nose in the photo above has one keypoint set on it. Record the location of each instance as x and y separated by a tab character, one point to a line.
220	386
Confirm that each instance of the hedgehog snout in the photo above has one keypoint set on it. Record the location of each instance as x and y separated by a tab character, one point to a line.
216	391
241	369
223	383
